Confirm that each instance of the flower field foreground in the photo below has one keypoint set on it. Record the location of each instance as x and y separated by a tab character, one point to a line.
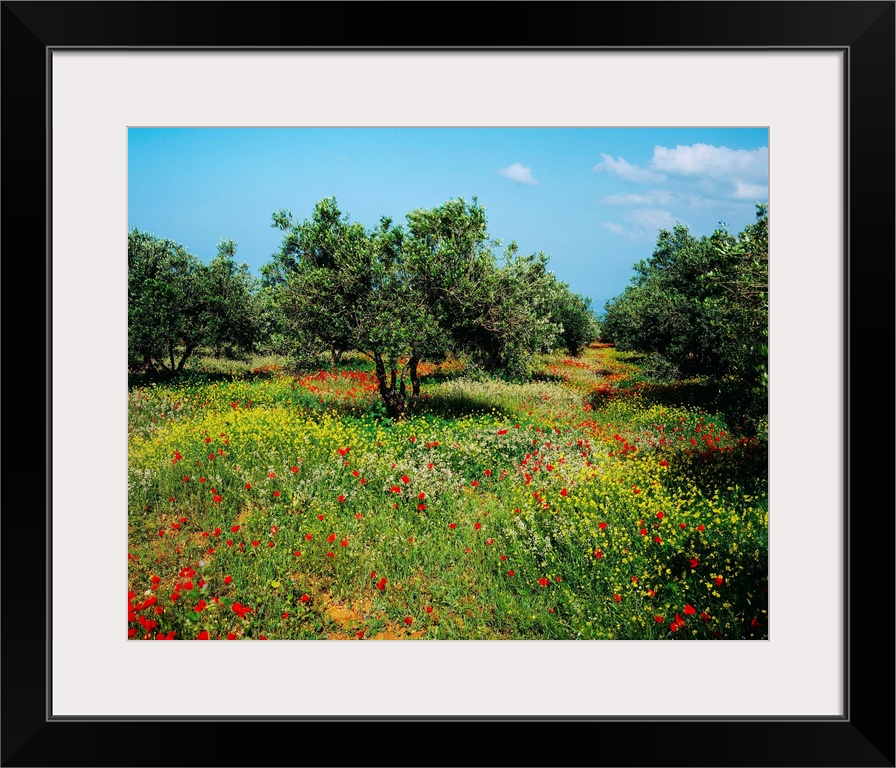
589	503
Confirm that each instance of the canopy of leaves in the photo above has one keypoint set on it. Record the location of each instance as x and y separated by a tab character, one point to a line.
702	304
424	290
177	303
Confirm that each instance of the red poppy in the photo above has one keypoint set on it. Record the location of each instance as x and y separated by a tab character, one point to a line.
405	479
217	531
429	609
341	498
395	489
361	635
343	543
408	620
754	622
477	526
331	538
694	562
682	525
598	554
452	525
657	539
305	598
248	486
297	553
618	598
664	463
660	515
293	469
644	531
673	626
701	528
510	572
503	557
564	492
689	609
188	585
255	543
381	584
235	528
203	635
719	581
308	536
602	526
543	581
704	616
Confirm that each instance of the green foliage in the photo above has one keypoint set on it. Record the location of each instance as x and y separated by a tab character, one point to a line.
418	292
176	303
702	304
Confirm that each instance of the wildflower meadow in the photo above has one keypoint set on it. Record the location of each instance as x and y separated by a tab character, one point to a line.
590	502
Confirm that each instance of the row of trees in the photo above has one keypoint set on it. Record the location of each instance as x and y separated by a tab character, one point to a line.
431	288
701	306
177	303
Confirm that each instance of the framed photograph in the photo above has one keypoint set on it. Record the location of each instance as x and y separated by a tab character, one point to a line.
817	76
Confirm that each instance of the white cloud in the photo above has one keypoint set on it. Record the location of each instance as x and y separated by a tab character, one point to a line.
745	191
655	198
624	198
627	171
522	174
651	219
714	162
643	224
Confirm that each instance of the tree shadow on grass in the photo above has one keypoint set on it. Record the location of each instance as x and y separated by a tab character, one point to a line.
741	413
138	379
550	378
744	465
744	588
455	407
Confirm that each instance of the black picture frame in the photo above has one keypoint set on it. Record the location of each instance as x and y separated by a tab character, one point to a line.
864	31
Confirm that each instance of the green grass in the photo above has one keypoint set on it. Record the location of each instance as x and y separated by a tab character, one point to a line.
572	506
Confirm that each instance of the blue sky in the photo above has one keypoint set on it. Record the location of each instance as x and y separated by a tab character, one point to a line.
593	199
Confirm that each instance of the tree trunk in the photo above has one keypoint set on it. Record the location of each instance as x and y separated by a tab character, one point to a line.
415	381
188	350
394	400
